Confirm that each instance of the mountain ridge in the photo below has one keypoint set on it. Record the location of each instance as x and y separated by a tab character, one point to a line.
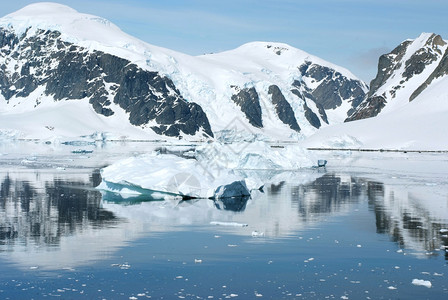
207	87
121	87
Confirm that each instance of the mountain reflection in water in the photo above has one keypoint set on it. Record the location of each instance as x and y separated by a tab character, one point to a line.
41	213
53	211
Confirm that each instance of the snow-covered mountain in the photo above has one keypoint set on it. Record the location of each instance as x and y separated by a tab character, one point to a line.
403	74
407	105
64	73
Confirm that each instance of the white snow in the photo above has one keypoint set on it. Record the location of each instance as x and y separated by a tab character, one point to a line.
63	119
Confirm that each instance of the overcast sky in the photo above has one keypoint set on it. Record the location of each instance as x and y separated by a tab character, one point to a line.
350	33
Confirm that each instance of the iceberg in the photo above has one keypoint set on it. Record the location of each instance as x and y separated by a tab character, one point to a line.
215	171
167	176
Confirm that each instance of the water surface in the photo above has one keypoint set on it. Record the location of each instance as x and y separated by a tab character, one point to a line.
364	227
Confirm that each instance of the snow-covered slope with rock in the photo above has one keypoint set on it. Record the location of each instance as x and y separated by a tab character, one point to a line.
403	74
55	61
412	110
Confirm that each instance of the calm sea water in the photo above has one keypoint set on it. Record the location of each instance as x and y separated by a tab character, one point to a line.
366	227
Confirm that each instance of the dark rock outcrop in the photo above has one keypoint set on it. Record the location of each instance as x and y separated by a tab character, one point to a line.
283	108
332	87
248	101
368	109
309	114
441	70
387	64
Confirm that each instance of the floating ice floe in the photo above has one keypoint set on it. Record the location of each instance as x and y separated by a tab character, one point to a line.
422	282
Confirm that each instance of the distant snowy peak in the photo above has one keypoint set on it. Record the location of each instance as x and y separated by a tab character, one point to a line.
281	55
88	31
403	74
58	17
72	24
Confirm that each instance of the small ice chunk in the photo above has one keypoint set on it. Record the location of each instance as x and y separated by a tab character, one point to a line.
198	261
422	282
234	224
257	233
392	288
235	189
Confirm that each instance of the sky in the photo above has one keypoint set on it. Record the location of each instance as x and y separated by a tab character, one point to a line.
349	33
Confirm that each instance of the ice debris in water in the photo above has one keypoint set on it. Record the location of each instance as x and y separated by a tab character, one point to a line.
421	282
233	224
257	233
